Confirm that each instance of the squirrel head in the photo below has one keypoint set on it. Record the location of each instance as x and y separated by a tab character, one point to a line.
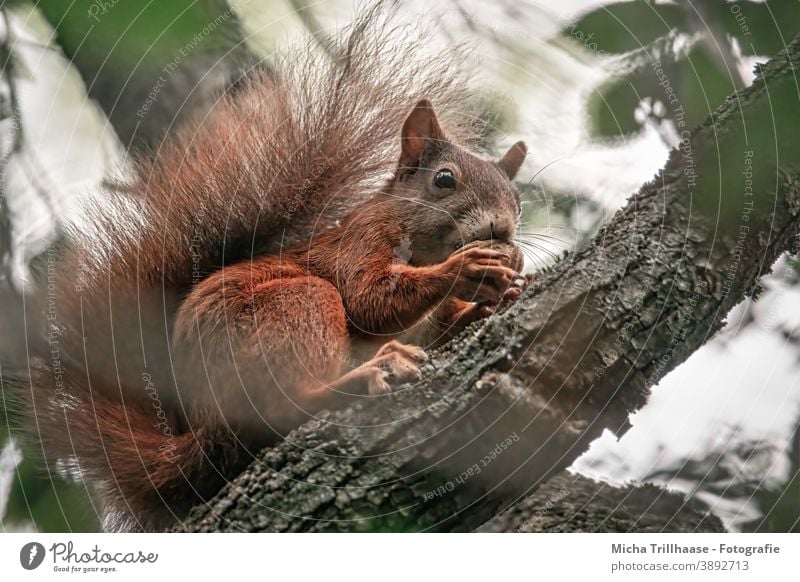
448	195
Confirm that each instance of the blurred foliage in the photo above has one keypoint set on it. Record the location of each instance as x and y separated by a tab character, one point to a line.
50	504
700	84
693	41
134	33
761	28
625	26
8	143
147	63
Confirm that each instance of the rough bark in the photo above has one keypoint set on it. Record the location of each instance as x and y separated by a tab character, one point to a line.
571	503
516	400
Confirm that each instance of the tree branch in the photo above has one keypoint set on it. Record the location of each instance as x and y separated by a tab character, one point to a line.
515	401
571	503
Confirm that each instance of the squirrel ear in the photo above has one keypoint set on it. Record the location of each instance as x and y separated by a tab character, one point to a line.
511	162
420	125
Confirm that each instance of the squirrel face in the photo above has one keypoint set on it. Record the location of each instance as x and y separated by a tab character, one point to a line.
450	196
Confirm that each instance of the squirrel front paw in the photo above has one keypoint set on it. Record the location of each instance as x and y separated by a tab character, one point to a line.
513	293
484	271
456	315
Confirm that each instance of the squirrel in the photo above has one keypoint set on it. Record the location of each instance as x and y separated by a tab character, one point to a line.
298	246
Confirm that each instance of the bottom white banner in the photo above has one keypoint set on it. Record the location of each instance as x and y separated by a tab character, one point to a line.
390	557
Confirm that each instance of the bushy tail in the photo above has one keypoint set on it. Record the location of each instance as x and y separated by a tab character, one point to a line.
145	476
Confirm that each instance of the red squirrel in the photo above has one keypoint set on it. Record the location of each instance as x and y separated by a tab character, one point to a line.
295	248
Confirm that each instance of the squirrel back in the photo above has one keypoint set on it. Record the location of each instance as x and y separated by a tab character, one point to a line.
282	156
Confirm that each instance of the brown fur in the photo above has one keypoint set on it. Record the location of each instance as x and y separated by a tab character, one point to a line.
270	262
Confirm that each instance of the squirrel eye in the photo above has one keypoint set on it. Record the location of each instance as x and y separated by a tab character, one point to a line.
444	179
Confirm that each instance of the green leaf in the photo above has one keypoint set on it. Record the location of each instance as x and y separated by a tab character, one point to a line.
127	33
698	83
762	28
51	503
624	26
148	62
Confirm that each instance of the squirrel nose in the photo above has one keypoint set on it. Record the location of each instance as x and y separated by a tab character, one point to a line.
493	227
500	229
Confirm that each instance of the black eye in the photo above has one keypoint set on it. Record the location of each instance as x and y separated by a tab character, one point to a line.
444	179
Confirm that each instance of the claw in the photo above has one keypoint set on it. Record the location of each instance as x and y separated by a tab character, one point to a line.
394	364
377	384
412	352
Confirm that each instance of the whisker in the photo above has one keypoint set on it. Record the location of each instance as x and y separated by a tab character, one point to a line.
542	169
534	258
539	235
561	226
533	244
546	204
539	248
541	252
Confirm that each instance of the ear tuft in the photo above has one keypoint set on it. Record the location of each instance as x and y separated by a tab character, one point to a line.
420	126
512	161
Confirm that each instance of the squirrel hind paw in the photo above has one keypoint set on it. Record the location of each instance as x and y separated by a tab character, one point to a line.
377	383
413	353
393	365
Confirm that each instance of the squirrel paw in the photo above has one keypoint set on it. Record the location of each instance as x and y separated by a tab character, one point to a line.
394	364
515	290
482	271
469	314
458	319
413	353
